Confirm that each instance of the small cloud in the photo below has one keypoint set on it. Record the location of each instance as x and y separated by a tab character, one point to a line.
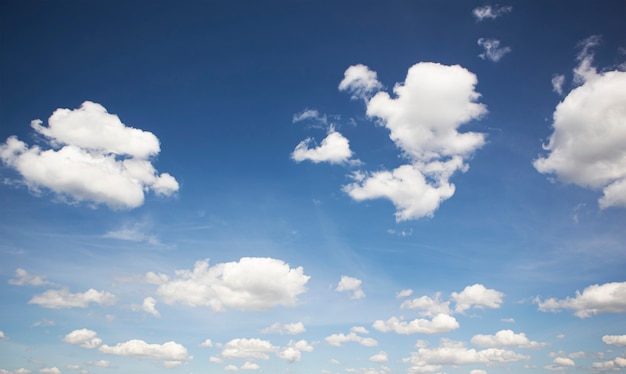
287	328
379	357
43	323
557	83
493	52
62	299
489	12
207	343
404	293
335	149
508	320
616	340
23	278
593	300
350	284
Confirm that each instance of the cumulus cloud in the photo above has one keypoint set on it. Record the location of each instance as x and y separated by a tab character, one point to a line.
476	296
250	366
595	299
617	340
441	323
250	284
492	49
248	348
349	284
286	328
423	120
618	363
338	339
148	306
335	149
588	144
92	156
452	353
61	299
171	352
23	278
490	12
360	81
84	338
379	357
428	307
293	351
505	338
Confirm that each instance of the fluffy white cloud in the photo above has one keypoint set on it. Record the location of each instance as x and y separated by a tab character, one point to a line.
588	144
617	340
564	361
250	366
505	338
477	296
231	368
335	149
349	284
337	339
286	328
170	352
59	299
492	49
52	370
293	352
84	338
93	157
360	81
429	307
2	336
428	360
557	83
618	363
595	299
248	348
439	324
207	343
250	284
423	119
379	357
490	12
23	278
148	306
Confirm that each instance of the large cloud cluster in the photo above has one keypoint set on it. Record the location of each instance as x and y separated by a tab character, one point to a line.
91	157
250	284
588	144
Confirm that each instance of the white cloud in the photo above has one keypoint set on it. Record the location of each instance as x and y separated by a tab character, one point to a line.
148	306
44	322
588	143
231	368
52	370
250	284
595	299
250	366
557	83
493	52
207	343
564	361
134	234
423	120
360	81
381	370
618	363
158	279
429	307
286	328
439	324
310	115
349	284
489	12
59	299
23	278
478	371
505	338
508	320
248	348
335	149
84	338
338	339
99	363
404	293
293	352
428	360
92	157
617	340
379	357
476	296
170	352
2	336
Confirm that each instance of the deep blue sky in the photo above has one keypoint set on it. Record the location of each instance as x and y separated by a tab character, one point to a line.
221	84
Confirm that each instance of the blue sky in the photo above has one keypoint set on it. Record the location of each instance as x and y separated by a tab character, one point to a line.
312	187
